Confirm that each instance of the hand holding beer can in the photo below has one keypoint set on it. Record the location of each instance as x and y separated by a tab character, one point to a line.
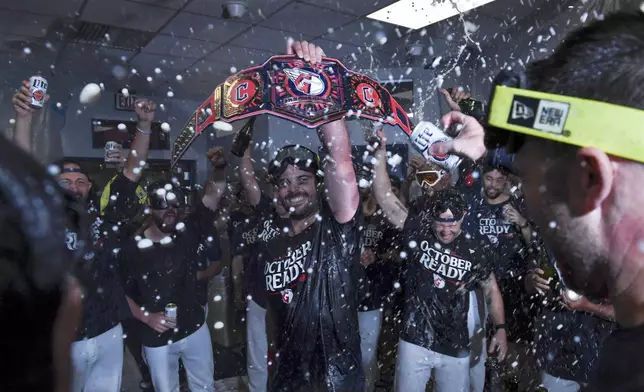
424	136
112	152
38	89
171	311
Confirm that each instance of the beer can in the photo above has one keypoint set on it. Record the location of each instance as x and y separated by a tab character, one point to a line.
425	135
38	89
110	147
171	311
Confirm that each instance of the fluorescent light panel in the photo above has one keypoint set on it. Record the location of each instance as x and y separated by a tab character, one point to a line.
416	14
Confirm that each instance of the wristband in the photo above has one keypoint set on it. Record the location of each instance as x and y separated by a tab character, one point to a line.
500	326
144	132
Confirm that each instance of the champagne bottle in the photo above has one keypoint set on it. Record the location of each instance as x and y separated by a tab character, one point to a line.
493	375
243	138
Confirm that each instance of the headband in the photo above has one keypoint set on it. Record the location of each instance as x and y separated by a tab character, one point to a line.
288	87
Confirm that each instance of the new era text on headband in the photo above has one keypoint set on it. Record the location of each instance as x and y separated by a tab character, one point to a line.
514	112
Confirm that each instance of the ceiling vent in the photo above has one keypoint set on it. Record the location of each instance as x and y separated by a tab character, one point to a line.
103	35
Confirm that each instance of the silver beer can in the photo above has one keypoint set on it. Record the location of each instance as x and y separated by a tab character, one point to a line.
425	135
38	89
110	147
171	311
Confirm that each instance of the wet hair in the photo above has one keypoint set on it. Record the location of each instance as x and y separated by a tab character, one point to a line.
486	167
448	199
603	61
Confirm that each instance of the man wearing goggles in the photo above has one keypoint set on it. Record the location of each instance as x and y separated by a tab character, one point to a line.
310	262
573	122
163	266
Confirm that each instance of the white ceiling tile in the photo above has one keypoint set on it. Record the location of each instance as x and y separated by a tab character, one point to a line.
121	13
163	62
306	19
362	31
191	25
173	4
267	39
238	57
179	47
46	7
354	7
17	51
92	59
257	9
336	50
28	25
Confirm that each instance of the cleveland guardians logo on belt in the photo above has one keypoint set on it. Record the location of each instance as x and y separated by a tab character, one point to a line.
304	82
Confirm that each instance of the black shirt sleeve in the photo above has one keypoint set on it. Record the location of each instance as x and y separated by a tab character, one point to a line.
201	221
127	268
121	201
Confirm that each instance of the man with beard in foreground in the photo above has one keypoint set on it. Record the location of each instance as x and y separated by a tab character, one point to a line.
97	352
161	267
310	266
587	201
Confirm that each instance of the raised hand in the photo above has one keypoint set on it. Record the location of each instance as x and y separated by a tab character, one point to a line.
306	51
468	143
22	99
217	157
145	110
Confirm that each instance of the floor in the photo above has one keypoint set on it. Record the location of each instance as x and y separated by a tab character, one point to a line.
228	372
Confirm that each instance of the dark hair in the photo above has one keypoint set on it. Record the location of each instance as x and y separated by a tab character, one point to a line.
486	167
603	61
448	199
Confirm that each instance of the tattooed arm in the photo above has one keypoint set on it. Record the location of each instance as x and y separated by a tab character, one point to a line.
393	208
494	303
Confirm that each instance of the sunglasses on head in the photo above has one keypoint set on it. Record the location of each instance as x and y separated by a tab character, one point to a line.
429	177
515	112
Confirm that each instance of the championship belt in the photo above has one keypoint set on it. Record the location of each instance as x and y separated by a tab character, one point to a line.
291	88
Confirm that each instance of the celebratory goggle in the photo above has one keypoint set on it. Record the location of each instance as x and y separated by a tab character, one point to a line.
429	177
288	87
299	156
515	111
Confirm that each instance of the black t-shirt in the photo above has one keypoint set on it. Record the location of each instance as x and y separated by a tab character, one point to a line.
438	279
208	251
104	303
309	281
244	236
377	286
620	368
568	343
161	274
510	266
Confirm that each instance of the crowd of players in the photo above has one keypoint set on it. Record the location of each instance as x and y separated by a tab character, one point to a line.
451	261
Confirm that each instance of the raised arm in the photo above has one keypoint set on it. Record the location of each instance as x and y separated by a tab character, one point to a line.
140	146
339	174
248	180
24	117
391	206
216	185
495	306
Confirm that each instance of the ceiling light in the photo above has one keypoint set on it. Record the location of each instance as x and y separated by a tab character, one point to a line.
416	14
